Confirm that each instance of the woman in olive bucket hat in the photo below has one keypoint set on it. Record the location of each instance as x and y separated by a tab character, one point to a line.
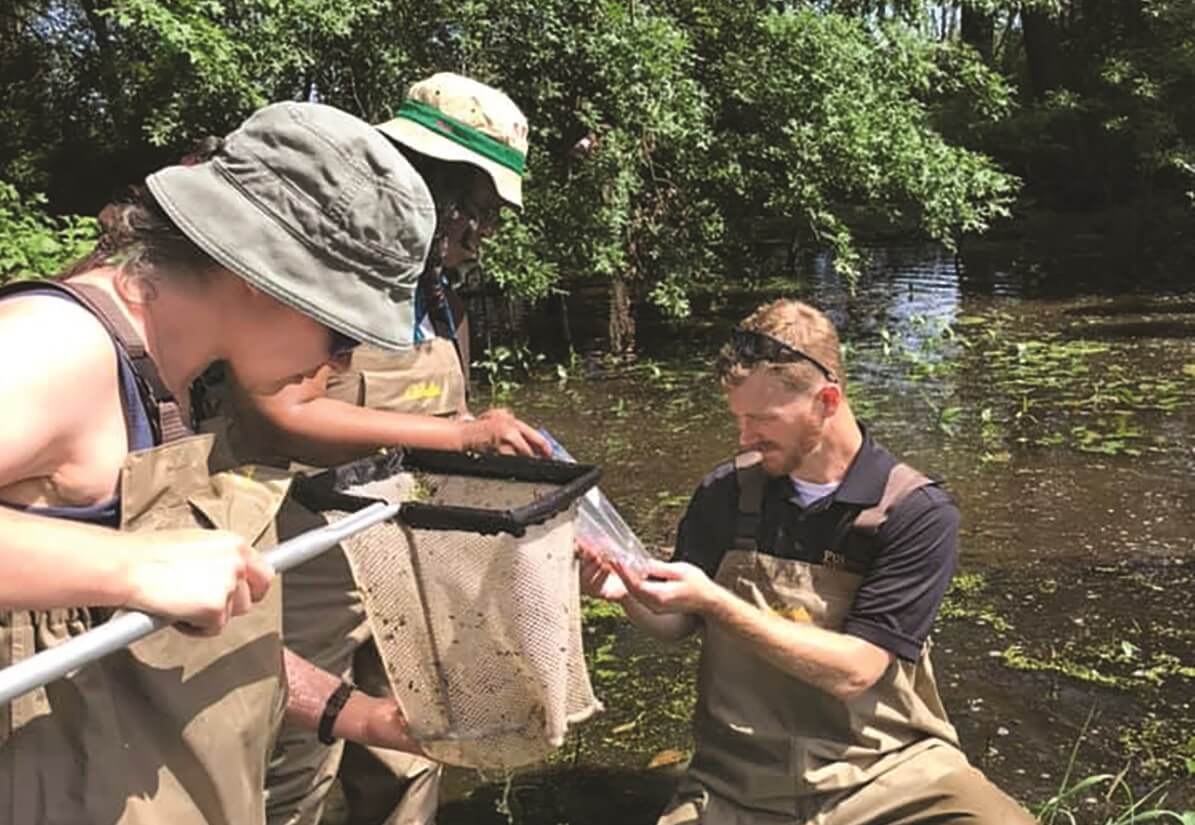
302	234
469	142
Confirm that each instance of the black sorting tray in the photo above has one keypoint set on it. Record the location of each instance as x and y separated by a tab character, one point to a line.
326	490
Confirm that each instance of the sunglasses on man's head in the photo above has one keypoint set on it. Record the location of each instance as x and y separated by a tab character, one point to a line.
752	347
340	344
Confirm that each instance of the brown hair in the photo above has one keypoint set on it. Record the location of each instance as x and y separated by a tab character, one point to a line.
137	235
797	324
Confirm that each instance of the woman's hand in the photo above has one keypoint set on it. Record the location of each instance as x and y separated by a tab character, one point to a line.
386	725
199	578
498	430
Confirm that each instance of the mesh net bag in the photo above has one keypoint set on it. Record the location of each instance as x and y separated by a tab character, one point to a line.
473	598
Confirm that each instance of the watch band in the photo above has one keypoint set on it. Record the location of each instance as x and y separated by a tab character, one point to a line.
335	704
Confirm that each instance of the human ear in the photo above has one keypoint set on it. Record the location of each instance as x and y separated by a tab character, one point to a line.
829	397
133	287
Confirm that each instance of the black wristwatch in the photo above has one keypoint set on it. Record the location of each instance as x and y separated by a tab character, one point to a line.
336	703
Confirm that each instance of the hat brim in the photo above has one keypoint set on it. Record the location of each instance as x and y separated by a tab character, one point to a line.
237	234
507	182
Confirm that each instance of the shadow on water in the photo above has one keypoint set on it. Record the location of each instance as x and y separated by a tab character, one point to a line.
1166	328
1136	307
578	796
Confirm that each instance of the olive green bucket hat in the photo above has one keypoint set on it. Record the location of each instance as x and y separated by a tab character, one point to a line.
313	207
455	118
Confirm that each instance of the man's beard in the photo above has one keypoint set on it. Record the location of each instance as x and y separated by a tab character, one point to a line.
780	461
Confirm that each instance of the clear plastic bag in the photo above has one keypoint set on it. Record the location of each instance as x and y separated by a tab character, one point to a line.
599	525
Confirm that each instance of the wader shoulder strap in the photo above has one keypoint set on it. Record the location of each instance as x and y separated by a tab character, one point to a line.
165	415
902	480
751	480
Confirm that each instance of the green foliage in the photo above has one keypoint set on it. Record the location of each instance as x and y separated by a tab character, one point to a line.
34	244
1121	804
512	259
818	112
1108	111
708	117
1055	390
504	368
627	210
100	92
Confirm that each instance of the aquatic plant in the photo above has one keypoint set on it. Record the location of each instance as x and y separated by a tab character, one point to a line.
506	367
1120	804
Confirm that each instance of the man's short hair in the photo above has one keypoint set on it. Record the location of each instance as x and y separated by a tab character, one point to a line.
800	326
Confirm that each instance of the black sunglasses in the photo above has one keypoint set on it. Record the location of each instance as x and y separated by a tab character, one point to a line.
752	347
340	344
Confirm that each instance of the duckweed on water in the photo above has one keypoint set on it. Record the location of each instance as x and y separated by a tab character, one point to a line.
985	374
965	602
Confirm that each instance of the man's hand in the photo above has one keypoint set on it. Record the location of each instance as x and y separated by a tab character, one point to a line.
624	580
498	430
597	579
199	578
669	587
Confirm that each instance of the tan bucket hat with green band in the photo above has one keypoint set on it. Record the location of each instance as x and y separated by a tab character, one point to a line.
455	118
315	208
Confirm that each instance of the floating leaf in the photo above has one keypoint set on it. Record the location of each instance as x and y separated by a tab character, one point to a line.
667	757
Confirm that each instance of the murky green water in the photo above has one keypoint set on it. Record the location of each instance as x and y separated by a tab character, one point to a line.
1063	424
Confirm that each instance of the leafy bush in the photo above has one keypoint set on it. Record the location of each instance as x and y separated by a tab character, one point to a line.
34	244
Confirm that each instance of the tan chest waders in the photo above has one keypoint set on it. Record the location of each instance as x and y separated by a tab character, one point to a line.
767	743
427	379
175	728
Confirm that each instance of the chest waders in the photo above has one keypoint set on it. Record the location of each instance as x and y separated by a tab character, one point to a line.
767	744
175	728
427	379
325	619
430	379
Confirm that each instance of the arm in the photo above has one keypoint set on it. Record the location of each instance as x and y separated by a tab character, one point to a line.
366	720
302	423
837	663
201	578
891	616
706	529
56	407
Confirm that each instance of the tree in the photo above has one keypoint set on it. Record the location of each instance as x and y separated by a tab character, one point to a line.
1108	116
629	210
817	112
105	91
704	118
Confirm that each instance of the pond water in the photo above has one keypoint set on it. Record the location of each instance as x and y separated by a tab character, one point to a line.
1059	412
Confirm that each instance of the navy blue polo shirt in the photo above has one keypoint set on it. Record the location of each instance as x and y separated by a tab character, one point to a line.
906	568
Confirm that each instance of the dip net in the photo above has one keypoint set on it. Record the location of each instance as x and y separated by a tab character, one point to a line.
473	597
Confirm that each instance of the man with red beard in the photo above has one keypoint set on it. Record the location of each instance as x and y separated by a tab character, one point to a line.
813	565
